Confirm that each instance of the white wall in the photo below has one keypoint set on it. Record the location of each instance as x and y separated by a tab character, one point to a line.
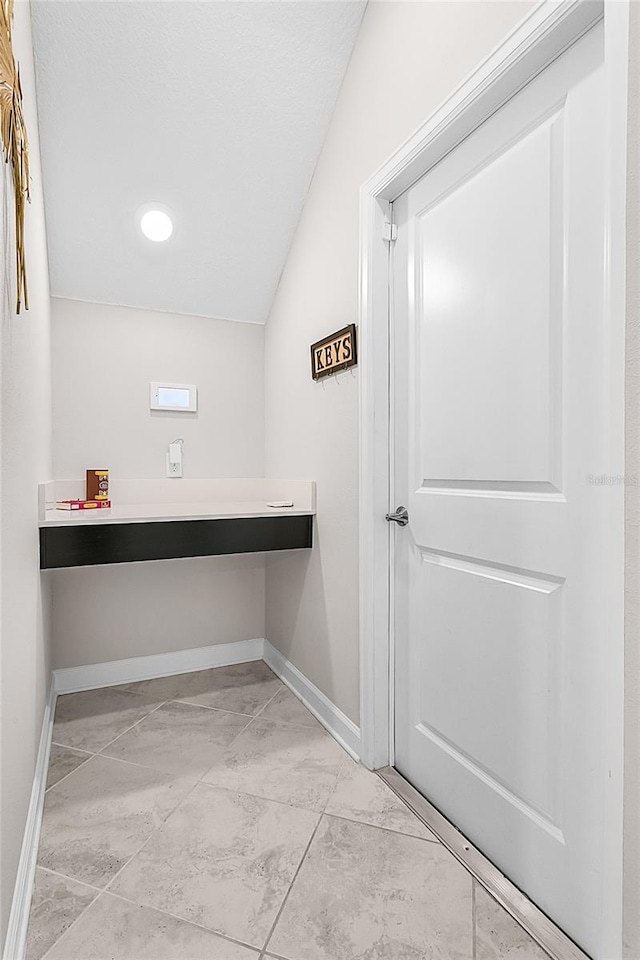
407	58
133	610
25	461
103	360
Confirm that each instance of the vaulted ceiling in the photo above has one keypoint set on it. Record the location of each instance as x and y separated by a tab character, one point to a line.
217	110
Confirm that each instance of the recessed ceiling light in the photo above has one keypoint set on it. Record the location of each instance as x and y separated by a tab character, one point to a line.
155	222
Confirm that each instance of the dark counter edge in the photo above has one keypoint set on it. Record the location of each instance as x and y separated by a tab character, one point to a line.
92	545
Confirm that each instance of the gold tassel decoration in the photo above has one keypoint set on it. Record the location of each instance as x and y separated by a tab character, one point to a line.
15	146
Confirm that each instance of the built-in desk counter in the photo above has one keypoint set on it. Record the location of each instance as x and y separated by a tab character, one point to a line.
179	518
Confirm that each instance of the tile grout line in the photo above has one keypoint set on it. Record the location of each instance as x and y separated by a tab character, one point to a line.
231	742
134	903
104	756
298	726
293	880
175	916
249	716
337	781
58	743
152	834
258	796
144	766
288	723
174	773
71	925
205	706
215	786
67	775
65	876
131	727
376	826
250	719
171	773
366	823
98	752
265	705
90	886
118	687
207	783
113	878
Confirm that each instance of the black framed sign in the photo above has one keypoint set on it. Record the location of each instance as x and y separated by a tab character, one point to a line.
334	353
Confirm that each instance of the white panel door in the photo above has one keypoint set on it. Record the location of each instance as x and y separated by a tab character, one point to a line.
501	576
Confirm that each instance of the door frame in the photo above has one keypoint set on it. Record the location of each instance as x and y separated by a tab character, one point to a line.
543	34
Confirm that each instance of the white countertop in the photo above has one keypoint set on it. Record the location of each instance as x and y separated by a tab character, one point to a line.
145	512
140	501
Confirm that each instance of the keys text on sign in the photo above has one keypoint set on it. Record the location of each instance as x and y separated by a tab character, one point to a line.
334	353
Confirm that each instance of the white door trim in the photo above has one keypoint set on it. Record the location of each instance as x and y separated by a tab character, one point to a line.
538	39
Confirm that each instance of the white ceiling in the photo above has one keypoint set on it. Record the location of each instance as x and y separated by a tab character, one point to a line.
216	109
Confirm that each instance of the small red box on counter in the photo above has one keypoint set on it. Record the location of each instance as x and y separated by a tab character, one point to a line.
82	504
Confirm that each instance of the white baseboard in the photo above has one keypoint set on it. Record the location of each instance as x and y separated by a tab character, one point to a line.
334	720
15	942
94	675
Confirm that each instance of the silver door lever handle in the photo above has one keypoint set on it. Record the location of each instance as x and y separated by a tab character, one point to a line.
400	516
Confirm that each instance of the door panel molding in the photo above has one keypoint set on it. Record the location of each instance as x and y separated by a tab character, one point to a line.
513	489
516	577
503	789
549	29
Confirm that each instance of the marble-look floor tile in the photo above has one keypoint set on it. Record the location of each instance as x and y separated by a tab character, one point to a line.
179	738
56	903
113	929
90	720
498	935
223	860
361	795
101	814
240	688
63	760
297	765
286	708
369	894
274	956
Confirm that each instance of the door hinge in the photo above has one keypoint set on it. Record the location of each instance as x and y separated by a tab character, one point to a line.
389	231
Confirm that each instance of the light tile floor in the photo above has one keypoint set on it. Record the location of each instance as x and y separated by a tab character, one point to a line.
209	816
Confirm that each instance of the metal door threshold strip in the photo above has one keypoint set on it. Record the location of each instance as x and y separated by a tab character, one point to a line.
536	923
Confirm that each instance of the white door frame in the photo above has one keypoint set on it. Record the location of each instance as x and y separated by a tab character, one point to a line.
539	38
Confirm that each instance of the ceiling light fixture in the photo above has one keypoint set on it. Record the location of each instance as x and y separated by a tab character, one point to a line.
155	222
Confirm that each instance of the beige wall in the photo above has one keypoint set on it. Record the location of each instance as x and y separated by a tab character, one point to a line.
25	461
632	502
133	610
103	360
408	57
